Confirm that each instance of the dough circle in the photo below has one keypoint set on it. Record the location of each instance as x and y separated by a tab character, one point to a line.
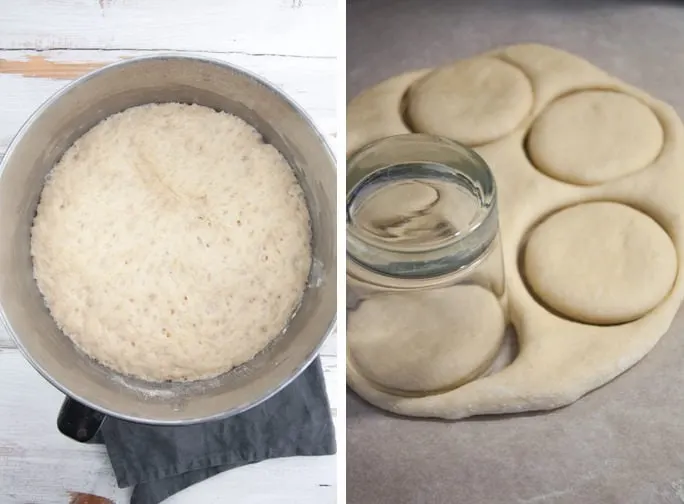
171	242
590	137
600	263
426	341
472	101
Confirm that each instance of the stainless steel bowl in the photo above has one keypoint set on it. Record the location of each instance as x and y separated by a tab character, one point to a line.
43	140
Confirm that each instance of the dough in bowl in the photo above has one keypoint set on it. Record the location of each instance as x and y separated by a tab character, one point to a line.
171	242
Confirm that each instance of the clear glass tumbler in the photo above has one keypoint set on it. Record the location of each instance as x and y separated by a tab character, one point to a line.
423	233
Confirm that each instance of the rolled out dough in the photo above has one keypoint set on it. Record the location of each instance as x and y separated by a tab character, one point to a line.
378	112
559	359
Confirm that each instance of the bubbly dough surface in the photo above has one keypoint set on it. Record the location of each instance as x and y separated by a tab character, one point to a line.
426	341
171	242
473	101
600	263
589	137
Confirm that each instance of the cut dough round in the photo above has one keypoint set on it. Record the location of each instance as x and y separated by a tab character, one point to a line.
590	137
426	341
600	263
473	101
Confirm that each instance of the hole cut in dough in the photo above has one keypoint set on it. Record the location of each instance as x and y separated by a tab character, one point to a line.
600	263
473	101
426	341
590	137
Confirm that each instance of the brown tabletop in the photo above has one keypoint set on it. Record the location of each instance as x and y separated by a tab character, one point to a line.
623	443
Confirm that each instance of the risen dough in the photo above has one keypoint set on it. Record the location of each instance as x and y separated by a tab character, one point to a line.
601	263
559	360
426	341
590	137
473	101
171	243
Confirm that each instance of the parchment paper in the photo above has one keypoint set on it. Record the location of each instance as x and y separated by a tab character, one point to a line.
623	443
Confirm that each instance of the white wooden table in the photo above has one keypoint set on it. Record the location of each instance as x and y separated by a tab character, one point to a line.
46	43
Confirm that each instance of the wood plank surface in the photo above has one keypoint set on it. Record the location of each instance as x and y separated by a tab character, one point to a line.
285	484
305	28
39	465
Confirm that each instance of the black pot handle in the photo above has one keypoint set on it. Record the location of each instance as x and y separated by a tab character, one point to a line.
78	421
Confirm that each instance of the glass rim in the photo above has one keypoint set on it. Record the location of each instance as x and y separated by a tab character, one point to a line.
429	149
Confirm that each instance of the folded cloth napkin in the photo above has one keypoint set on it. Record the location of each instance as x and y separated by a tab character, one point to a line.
160	460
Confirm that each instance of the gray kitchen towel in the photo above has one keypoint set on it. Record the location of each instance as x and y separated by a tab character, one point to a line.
161	460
